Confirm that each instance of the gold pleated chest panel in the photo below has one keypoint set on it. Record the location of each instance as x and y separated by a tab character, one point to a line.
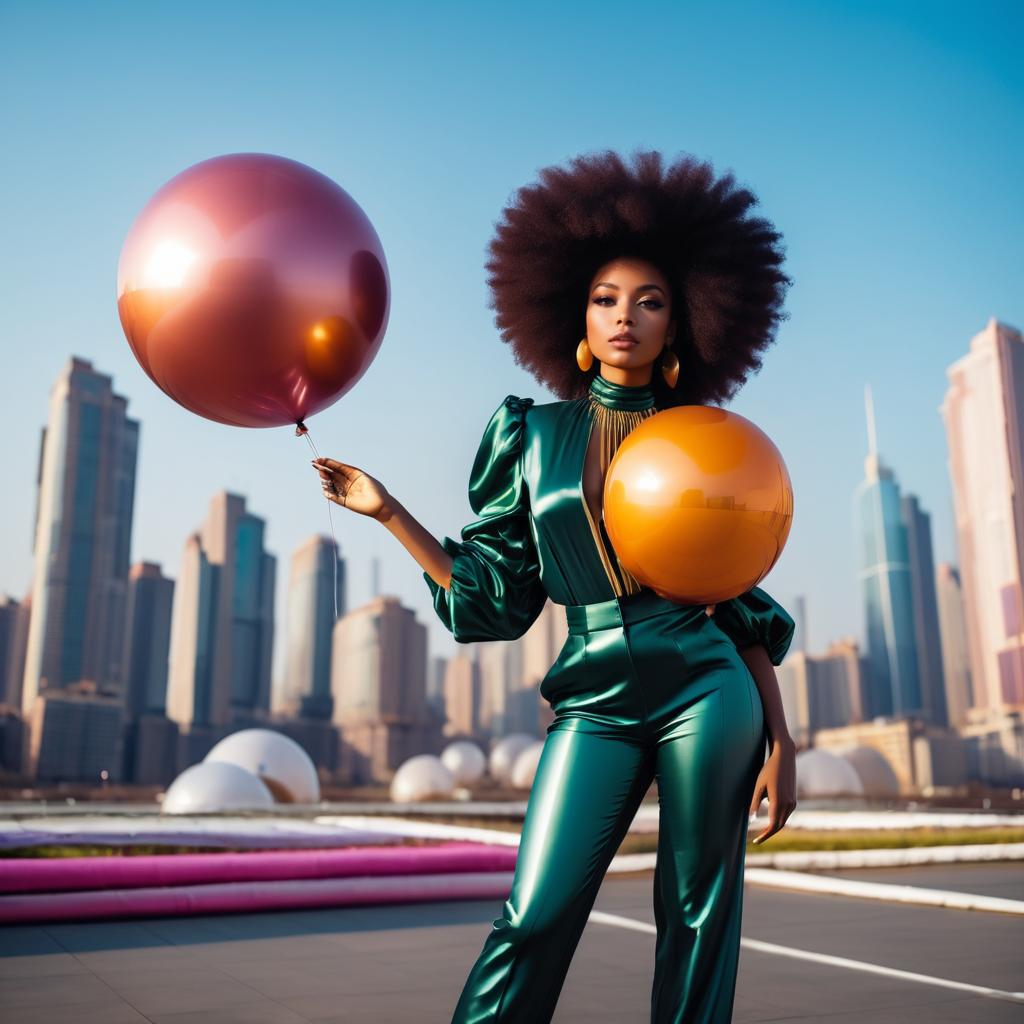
612	426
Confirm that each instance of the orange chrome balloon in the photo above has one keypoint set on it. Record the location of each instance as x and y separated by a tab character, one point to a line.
253	290
698	504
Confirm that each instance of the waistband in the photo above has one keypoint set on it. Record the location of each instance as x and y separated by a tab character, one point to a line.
583	618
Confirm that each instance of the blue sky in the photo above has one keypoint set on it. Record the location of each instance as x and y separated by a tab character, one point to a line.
884	140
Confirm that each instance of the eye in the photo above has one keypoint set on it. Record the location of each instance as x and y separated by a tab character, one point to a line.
602	300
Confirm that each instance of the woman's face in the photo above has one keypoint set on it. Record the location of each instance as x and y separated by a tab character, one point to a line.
632	297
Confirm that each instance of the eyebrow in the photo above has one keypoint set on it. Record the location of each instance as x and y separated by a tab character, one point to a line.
642	288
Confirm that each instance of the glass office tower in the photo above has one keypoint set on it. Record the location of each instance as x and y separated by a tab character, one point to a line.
893	685
86	491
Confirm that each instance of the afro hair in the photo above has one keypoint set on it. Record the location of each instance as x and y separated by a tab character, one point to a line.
723	266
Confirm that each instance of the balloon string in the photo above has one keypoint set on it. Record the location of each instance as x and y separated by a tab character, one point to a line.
303	430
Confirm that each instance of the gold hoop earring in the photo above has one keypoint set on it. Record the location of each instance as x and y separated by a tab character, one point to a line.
584	357
670	367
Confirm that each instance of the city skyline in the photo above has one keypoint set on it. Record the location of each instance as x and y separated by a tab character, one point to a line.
144	671
277	686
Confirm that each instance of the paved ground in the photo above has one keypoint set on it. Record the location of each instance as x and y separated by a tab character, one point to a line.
394	965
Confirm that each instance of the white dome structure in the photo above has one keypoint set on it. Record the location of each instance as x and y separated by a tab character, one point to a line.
822	773
285	768
505	752
215	786
419	778
525	768
873	769
465	760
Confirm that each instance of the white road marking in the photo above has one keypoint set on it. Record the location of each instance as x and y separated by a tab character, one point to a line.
823	958
973	853
888	891
835	860
891	972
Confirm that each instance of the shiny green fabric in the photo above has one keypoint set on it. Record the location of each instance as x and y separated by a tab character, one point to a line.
642	689
532	540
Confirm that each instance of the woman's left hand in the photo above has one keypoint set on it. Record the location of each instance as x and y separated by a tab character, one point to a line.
777	781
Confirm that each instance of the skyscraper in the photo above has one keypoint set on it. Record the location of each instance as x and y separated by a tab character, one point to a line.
956	662
462	696
75	735
311	616
893	680
14	621
222	628
148	639
799	642
927	642
86	491
541	643
436	668
815	694
501	672
983	412
843	664
379	684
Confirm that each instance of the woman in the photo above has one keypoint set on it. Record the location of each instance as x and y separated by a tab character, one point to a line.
660	269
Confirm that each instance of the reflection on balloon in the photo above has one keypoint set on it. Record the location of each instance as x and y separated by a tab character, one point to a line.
334	351
698	504
253	290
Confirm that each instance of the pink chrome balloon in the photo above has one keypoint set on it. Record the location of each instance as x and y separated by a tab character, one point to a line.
253	290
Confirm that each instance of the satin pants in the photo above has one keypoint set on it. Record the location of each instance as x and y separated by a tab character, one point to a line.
641	690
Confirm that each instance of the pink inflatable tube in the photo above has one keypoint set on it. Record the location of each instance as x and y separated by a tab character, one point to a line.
204	868
247	897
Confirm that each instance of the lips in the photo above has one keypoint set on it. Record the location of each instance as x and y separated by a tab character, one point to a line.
625	340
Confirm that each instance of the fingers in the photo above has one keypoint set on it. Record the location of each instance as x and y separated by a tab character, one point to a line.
778	816
773	826
759	795
760	792
339	473
332	464
327	483
776	820
787	810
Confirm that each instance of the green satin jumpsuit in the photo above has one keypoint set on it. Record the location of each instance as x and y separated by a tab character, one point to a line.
644	688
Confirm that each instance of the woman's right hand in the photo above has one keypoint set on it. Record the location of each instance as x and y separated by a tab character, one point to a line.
352	488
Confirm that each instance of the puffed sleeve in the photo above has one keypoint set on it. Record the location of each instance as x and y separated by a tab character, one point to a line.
495	591
757	618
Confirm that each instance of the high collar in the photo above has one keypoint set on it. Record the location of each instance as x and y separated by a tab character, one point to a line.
622	396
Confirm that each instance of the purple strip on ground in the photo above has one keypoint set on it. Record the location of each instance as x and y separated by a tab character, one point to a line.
92	873
247	897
